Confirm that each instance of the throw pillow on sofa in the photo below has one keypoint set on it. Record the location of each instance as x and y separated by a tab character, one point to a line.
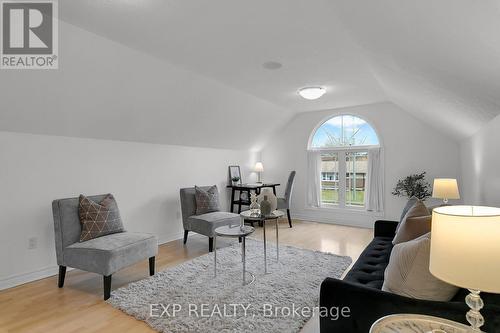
98	219
418	209
410	203
207	201
413	227
408	272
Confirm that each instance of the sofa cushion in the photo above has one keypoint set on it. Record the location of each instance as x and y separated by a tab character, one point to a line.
370	267
207	200
108	254
413	227
205	224
418	209
411	201
98	219
408	272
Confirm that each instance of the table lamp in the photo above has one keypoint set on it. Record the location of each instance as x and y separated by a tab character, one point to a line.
445	188
259	168
465	243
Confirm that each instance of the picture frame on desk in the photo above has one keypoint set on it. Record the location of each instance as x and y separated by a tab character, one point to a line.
234	171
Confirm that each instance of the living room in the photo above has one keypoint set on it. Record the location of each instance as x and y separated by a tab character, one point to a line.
258	166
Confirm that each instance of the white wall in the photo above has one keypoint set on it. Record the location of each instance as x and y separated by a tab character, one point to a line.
480	165
105	90
145	179
409	145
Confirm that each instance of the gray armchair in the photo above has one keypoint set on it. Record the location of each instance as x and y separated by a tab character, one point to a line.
204	224
284	203
103	255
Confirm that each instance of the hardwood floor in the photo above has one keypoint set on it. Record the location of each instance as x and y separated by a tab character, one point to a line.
78	307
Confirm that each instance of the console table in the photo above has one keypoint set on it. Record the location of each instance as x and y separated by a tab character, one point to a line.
247	188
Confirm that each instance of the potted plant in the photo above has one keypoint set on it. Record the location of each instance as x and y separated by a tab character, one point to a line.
235	180
413	186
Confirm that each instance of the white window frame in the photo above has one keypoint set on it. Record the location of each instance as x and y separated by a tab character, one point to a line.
342	150
341	155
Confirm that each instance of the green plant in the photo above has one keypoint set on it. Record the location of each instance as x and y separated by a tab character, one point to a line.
235	179
413	186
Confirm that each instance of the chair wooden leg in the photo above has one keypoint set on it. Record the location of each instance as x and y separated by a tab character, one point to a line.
210	244
107	286
151	266
289	217
62	276
186	236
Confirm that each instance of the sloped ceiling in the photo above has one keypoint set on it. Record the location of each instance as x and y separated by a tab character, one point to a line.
185	72
439	60
230	40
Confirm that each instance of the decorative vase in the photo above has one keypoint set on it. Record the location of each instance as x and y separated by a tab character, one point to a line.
265	207
270	197
254	205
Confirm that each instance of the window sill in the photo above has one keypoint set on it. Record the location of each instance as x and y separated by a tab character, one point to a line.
346	210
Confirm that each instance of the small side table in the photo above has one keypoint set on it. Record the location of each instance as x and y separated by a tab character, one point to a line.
247	216
237	231
412	323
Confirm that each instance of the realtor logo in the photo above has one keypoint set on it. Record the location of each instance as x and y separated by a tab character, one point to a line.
29	34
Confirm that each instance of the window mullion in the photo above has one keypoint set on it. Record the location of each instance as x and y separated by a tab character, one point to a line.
342	178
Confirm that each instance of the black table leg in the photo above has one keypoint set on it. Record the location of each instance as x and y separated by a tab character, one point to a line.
274	190
232	199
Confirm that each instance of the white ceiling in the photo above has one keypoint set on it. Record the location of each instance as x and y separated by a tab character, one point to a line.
230	40
439	60
184	72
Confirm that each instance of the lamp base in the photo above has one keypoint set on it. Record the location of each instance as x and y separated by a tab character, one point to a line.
475	303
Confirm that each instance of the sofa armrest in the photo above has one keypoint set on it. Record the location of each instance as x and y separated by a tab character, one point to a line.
384	228
366	305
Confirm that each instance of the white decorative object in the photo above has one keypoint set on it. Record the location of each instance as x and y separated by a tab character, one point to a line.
445	188
254	205
464	247
410	323
270	197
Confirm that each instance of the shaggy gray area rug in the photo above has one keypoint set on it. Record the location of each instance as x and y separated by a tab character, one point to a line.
188	298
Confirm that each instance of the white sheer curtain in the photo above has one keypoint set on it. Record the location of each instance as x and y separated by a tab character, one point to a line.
313	178
375	186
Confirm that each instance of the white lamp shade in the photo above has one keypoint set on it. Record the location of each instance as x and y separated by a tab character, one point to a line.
465	247
445	188
259	167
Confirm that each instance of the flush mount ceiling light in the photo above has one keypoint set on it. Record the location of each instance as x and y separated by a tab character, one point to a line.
312	92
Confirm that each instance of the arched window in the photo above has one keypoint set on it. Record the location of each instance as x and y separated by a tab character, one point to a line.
344	131
343	146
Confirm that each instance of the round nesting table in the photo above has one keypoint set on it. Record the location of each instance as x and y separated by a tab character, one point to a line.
275	215
412	323
236	231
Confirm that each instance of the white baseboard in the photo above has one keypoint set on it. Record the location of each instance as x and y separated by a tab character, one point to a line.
330	220
19	279
165	238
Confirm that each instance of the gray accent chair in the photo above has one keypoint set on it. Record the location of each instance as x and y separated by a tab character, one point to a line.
284	203
103	255
204	224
